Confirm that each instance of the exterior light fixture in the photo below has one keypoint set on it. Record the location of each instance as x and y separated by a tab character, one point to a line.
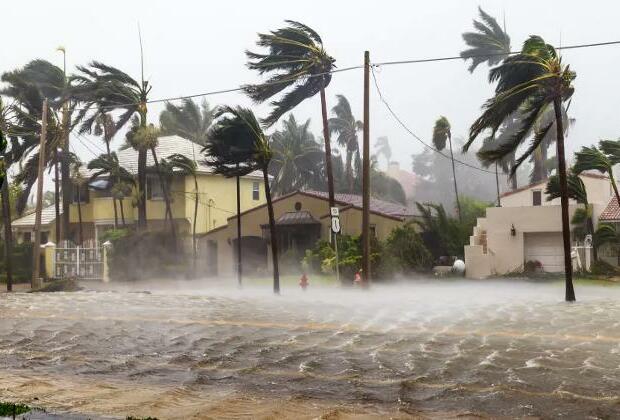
513	231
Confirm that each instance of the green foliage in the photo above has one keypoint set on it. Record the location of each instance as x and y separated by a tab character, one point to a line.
407	248
602	268
22	263
8	409
490	43
187	120
471	210
137	255
441	133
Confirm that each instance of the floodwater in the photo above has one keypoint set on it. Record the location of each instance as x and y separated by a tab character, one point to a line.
435	349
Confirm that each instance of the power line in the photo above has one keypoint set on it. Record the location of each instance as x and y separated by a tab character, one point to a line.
466	57
414	135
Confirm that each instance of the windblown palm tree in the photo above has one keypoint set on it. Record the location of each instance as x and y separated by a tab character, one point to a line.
183	165
102	87
530	81
345	126
300	67
441	136
188	120
5	162
600	159
79	181
238	146
297	157
607	234
382	147
107	165
490	43
576	191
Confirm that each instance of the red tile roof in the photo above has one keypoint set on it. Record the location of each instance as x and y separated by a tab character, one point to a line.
544	182
612	211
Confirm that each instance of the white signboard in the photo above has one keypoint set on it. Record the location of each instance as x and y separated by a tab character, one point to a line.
335	220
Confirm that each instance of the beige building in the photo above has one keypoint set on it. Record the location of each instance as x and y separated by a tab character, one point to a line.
302	218
527	227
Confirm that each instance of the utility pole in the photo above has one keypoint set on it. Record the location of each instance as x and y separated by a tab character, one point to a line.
65	170
36	250
366	175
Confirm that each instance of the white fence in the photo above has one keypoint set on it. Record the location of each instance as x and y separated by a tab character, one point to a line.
81	262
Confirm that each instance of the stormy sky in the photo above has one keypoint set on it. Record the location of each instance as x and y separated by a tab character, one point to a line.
198	46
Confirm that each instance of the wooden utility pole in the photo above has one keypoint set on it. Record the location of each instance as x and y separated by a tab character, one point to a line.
36	249
366	175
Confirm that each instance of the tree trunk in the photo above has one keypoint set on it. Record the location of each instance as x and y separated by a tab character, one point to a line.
328	150
239	257
272	233
456	190
164	187
58	223
513	180
612	179
142	224
79	203
568	265
195	222
349	170
122	212
499	202
65	172
115	213
107	146
8	234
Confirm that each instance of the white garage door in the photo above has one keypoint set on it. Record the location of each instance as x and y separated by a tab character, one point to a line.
547	248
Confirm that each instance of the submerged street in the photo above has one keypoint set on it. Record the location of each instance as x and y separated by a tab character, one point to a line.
449	348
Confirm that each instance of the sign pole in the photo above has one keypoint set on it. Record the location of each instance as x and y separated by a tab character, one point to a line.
335	229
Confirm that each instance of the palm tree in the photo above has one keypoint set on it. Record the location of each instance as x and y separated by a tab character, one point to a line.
606	233
490	43
346	127
297	157
185	166
238	146
298	62
602	160
382	147
576	191
441	135
4	191
108	88
189	120
530	81
107	165
79	181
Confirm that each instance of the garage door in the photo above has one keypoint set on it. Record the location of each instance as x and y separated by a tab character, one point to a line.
546	247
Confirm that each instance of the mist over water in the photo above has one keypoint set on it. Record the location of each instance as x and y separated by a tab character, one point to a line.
495	348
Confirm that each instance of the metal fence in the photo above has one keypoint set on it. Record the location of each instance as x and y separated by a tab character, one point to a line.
81	262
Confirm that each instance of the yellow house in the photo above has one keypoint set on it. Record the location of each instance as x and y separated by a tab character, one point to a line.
216	197
302	218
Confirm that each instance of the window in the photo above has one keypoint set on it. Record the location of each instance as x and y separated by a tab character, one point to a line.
44	237
80	193
373	231
255	191
154	190
536	197
27	237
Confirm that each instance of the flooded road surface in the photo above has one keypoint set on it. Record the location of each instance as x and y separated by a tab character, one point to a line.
429	349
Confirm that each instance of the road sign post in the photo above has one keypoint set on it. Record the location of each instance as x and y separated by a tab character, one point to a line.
335	228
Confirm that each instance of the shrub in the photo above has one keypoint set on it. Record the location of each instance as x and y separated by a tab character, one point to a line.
406	247
602	268
137	255
22	263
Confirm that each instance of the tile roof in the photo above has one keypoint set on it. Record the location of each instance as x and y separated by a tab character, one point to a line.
48	215
302	217
167	146
377	206
544	182
612	211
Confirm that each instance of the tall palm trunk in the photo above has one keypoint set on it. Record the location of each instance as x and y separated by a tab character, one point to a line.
8	234
568	265
142	189
57	195
456	190
164	187
122	212
239	257
107	146
194	244
328	150
272	234
612	179
79	204
499	202
349	170
65	172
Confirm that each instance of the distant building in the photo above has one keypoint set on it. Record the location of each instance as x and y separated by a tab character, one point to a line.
527	227
407	180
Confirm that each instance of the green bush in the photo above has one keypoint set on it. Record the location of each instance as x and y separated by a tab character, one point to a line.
407	249
22	263
602	268
143	255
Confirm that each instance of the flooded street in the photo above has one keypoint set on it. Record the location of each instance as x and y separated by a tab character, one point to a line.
430	349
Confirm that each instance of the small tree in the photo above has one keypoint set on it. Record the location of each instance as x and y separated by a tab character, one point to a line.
441	135
238	146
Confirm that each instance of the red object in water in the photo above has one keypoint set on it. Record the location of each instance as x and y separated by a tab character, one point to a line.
303	282
358	278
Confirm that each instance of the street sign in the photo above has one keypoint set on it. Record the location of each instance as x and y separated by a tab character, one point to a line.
335	219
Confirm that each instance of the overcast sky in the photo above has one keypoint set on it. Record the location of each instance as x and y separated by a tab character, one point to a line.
198	46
